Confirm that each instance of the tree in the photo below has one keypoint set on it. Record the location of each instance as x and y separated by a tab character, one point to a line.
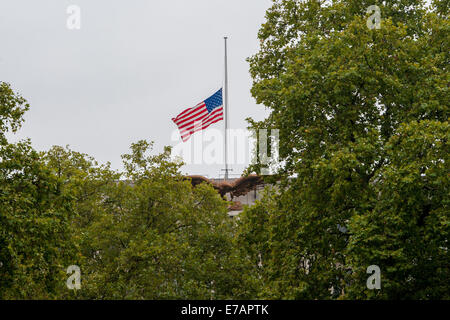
36	244
157	237
12	108
406	234
35	229
146	233
340	93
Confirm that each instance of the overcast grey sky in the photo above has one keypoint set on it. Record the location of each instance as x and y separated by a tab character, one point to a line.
131	67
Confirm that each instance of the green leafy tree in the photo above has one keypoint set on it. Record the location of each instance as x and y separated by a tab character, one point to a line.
12	108
36	245
81	177
143	234
340	94
406	233
155	237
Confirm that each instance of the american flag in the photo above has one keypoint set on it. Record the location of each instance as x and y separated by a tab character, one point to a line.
201	116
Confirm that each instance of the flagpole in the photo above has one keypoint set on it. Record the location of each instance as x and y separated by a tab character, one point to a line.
226	109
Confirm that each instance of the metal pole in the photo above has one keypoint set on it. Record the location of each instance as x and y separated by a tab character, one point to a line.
226	109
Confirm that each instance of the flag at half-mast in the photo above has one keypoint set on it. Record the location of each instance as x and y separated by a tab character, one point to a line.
201	116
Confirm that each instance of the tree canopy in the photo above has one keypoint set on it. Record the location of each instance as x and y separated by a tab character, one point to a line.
363	120
145	233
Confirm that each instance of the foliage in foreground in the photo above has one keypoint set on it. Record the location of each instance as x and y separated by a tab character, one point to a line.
363	120
143	234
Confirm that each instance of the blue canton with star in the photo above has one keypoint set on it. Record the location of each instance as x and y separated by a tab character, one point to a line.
214	101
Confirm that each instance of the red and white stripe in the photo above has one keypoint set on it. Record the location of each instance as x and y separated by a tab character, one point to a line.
195	119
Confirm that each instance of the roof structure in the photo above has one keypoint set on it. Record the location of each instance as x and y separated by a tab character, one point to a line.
234	187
